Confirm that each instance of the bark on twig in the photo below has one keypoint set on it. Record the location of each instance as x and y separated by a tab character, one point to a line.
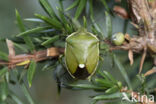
143	16
24	59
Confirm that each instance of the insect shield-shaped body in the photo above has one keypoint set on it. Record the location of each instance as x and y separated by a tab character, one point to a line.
81	54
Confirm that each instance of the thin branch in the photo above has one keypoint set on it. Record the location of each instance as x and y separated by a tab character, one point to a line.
153	70
24	59
130	56
142	60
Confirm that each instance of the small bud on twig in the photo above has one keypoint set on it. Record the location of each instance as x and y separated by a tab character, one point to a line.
121	12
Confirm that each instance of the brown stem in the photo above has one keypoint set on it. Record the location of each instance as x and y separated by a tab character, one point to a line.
37	56
24	59
142	60
153	70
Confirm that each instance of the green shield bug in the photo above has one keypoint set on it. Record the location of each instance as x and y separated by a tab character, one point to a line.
81	54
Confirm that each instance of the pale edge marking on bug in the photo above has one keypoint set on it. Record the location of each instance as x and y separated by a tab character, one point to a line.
65	53
89	77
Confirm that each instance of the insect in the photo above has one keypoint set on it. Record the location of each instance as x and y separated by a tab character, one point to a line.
81	54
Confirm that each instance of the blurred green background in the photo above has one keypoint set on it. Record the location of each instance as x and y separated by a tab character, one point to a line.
44	88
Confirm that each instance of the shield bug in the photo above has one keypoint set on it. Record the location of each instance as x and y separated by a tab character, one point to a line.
81	54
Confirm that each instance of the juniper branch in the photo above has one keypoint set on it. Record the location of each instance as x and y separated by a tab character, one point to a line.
17	60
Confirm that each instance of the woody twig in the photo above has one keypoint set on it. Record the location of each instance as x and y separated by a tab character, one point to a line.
143	16
24	59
